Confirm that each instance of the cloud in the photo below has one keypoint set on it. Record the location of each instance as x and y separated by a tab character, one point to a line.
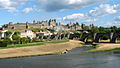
11	5
27	10
117	18
74	17
104	9
90	21
109	24
60	5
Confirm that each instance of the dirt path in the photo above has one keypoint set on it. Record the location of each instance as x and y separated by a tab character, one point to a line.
39	50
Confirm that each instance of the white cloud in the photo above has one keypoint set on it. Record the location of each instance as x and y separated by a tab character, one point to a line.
90	20
34	8
58	5
109	24
74	17
27	10
11	5
104	9
117	18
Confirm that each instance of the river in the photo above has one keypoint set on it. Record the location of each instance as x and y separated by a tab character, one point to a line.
73	59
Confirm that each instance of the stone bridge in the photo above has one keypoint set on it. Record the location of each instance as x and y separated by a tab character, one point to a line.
61	36
97	36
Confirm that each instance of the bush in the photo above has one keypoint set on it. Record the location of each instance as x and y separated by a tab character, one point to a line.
34	40
105	37
16	39
45	37
8	40
29	39
24	40
3	44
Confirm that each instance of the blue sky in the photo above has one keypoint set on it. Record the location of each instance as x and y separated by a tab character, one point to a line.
99	12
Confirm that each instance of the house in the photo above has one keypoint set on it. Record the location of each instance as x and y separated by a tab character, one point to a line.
27	33
3	33
43	33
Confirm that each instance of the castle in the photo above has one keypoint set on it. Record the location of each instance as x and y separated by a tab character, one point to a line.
38	24
51	24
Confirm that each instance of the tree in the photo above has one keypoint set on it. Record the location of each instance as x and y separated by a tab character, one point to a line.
16	39
34	40
0	34
94	30
8	40
114	29
85	28
23	40
17	33
103	30
8	33
29	40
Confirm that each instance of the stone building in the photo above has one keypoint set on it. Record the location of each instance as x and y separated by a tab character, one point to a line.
51	24
27	33
38	24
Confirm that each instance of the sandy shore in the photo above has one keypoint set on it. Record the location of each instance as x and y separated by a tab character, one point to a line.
46	49
108	46
104	47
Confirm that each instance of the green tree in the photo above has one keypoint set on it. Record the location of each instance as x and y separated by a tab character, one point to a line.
23	40
94	30
34	40
85	28
17	33
29	40
0	34
8	40
16	39
103	30
114	29
8	33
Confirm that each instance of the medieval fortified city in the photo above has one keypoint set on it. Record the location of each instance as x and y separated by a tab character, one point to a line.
59	33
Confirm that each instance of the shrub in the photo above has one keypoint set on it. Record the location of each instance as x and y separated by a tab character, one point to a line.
34	40
16	39
24	40
105	37
3	44
8	40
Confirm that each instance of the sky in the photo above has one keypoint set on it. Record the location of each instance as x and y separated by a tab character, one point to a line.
104	13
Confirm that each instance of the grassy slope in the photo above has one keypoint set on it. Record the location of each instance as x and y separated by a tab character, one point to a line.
33	44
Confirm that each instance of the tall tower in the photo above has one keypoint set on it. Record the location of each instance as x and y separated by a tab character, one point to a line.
27	25
10	23
34	22
82	26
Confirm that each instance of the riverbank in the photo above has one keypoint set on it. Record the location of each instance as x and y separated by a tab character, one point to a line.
105	47
34	44
46	49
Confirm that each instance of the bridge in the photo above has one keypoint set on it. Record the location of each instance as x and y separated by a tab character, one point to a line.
97	36
60	36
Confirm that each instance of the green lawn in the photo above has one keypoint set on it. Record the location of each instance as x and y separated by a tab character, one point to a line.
33	44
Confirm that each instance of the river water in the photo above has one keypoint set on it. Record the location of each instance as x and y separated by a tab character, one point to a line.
74	59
